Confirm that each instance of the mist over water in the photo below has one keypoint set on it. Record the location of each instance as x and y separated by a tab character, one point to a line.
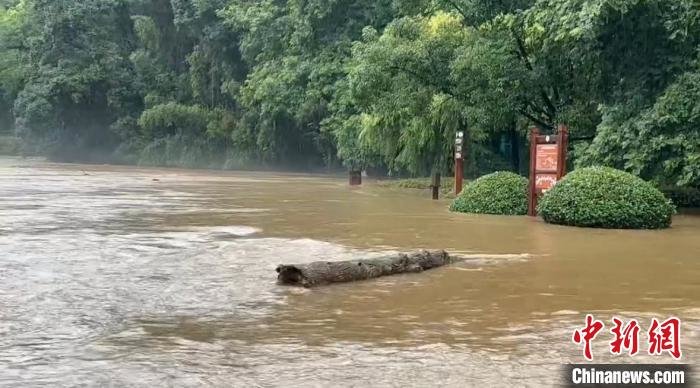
129	277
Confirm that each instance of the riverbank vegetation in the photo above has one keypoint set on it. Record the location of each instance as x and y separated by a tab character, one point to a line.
603	197
502	193
379	84
683	197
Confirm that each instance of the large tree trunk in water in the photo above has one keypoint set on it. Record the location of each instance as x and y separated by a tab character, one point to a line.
323	272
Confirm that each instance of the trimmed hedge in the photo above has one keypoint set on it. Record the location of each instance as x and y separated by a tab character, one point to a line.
602	197
498	193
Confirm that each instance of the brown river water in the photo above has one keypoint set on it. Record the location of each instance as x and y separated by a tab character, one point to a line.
119	276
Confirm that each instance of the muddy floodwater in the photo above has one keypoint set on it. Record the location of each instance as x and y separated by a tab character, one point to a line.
119	276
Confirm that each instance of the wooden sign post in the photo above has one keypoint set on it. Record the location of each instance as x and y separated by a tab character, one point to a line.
459	161
355	178
547	163
435	186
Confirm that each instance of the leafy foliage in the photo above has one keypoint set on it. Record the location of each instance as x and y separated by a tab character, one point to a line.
407	113
501	192
602	197
661	142
183	135
297	52
12	68
683	197
77	79
369	83
174	119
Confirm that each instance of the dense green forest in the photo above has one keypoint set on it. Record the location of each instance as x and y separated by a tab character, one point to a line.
364	83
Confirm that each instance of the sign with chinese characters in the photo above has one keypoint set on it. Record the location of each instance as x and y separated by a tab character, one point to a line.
547	163
661	337
547	157
544	182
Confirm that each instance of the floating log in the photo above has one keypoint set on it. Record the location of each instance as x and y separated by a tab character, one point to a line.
325	272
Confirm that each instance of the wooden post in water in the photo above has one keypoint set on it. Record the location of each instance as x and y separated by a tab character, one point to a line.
532	195
435	186
459	175
355	178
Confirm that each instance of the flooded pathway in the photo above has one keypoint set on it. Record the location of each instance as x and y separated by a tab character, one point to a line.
132	277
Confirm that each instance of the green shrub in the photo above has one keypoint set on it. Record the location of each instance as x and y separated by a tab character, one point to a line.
498	193
602	197
687	197
173	119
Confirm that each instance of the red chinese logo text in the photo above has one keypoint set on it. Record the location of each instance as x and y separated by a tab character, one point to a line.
587	334
665	337
626	337
662	336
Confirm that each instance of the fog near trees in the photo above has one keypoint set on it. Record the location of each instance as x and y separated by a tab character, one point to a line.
360	83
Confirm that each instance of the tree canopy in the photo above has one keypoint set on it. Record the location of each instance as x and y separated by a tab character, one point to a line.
384	83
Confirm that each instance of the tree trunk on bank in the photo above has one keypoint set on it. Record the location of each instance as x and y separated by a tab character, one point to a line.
323	272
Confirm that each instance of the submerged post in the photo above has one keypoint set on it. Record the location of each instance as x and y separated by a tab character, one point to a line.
531	192
355	178
435	186
459	161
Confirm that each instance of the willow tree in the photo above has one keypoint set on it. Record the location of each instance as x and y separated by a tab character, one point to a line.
407	107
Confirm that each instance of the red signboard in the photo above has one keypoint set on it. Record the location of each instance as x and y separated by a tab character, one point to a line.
544	182
547	155
547	163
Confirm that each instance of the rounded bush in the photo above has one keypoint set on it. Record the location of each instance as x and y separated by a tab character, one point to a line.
498	193
602	197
